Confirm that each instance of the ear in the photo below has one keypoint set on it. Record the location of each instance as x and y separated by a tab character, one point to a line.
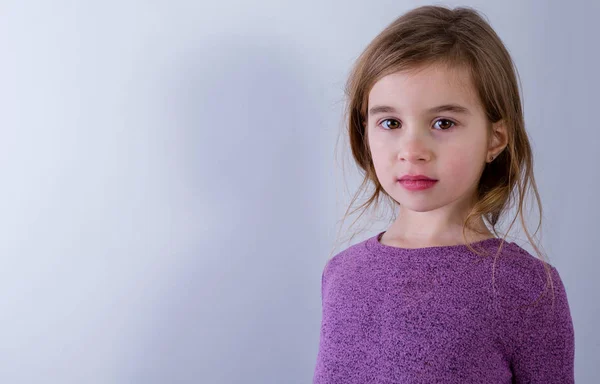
498	140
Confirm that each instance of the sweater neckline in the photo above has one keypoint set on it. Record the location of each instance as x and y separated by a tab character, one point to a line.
373	244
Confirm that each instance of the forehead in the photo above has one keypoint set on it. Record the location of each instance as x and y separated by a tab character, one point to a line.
425	87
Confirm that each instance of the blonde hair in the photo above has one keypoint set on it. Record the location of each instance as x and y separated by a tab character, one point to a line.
458	37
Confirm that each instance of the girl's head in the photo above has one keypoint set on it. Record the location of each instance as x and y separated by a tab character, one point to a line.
430	121
436	93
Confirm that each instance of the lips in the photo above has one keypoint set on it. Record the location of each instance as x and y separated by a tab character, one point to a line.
416	178
417	182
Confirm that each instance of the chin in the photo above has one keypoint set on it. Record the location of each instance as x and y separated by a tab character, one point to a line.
419	208
422	203
414	206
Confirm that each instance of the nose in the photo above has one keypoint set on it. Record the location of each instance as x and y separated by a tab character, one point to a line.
414	148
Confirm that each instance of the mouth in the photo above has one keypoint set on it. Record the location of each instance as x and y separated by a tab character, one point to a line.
417	183
416	178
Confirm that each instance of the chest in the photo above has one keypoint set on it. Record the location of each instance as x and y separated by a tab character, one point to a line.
415	320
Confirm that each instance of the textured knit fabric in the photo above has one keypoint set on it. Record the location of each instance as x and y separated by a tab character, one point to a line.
433	315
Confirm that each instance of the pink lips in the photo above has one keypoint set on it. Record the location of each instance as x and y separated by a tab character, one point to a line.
416	182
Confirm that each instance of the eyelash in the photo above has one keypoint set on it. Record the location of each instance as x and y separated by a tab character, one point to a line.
454	124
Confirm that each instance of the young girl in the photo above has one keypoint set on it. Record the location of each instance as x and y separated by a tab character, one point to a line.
436	124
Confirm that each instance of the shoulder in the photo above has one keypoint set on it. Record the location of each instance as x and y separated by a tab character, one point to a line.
345	258
533	317
518	257
528	291
521	274
520	279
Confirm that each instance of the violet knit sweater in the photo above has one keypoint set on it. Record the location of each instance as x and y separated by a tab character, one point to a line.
430	315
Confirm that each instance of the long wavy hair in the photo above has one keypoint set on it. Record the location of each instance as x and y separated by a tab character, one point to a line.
454	37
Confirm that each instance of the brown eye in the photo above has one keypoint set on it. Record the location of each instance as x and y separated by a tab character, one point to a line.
392	126
446	124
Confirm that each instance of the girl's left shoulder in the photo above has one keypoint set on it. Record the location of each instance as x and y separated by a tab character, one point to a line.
523	276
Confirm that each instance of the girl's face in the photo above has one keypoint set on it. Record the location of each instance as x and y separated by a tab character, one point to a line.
428	122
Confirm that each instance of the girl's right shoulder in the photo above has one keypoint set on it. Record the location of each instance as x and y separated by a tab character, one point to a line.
347	255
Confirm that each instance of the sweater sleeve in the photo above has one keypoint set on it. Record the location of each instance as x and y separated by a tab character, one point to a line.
541	335
324	274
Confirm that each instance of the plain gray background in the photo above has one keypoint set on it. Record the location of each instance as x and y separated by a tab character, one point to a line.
169	192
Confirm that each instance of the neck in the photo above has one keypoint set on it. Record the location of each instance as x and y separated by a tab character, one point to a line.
436	227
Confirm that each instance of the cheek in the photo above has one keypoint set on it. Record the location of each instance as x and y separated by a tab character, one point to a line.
381	161
379	151
380	165
462	166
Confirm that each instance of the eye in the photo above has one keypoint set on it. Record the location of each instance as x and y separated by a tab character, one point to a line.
445	125
448	124
394	126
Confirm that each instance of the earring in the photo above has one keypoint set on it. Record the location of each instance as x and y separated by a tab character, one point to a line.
491	158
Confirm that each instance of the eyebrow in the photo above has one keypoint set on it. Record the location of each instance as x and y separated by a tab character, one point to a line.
441	108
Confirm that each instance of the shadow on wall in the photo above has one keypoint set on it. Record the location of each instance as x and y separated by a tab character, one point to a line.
236	308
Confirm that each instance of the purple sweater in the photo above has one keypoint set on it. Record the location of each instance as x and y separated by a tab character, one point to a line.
430	315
